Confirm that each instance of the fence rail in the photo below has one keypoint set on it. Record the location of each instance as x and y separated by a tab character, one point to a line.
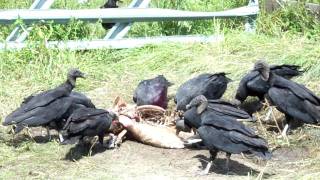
122	15
116	43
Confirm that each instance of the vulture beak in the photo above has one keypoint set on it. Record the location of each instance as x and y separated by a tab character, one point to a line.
181	126
229	80
83	75
265	75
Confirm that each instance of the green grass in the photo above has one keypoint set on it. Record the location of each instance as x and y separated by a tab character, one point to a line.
294	19
117	72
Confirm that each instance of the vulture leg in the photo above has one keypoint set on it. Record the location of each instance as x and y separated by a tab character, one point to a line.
194	131
261	98
101	139
285	130
61	137
228	155
81	141
213	155
48	133
286	127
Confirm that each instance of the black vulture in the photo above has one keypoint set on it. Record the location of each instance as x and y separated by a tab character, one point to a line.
220	131
79	100
224	109
253	84
297	102
45	107
212	86
88	122
109	4
152	92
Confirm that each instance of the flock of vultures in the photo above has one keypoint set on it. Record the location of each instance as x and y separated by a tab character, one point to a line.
215	121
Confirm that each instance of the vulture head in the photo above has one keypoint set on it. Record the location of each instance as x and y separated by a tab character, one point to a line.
73	74
200	102
263	68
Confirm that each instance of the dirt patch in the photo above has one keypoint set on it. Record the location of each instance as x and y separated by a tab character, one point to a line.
135	160
291	154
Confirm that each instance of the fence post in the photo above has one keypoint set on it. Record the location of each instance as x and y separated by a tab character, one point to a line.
250	25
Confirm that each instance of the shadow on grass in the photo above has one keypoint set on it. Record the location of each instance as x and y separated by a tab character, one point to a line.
235	168
83	149
19	139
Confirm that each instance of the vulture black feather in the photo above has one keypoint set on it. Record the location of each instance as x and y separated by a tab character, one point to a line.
88	122
212	86
45	107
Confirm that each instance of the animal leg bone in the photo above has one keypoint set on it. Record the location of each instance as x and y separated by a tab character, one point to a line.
121	137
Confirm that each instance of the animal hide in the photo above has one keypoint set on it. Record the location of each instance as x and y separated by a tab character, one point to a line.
158	136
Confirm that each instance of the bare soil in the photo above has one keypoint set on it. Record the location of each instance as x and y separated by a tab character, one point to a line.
133	160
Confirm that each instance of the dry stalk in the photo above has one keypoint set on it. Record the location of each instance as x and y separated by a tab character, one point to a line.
312	125
94	143
260	176
30	135
273	116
